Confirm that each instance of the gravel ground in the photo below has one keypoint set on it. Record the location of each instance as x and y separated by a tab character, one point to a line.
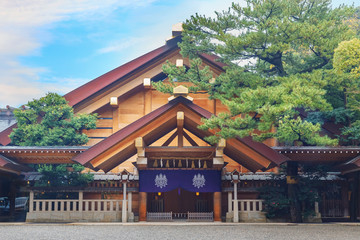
179	231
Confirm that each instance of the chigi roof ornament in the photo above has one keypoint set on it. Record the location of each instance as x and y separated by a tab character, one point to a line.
180	91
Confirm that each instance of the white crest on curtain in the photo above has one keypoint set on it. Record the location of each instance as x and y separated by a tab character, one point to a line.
160	180
199	180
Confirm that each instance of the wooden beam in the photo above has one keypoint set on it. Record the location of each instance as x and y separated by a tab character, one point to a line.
190	152
147	101
115	119
190	140
170	139
180	128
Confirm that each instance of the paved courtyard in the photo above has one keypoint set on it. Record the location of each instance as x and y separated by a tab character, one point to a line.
181	231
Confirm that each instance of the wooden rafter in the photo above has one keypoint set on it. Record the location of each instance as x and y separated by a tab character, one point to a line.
170	139
190	140
180	128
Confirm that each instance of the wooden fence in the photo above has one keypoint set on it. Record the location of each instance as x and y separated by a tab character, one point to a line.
69	205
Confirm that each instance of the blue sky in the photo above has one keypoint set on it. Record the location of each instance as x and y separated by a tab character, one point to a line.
58	45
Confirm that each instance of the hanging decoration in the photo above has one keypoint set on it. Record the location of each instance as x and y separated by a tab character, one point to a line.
155	164
190	180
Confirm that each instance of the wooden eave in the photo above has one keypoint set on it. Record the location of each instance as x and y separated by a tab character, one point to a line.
41	155
319	155
120	146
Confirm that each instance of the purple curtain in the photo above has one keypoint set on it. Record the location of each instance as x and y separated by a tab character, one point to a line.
190	180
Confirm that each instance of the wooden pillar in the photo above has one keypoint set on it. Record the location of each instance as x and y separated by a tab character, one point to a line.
230	202
217	206
81	199
142	206
236	204
31	201
124	209
129	202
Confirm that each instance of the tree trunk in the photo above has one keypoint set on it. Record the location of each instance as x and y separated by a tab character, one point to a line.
293	192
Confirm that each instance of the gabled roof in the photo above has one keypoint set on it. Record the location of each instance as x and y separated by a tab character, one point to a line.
120	146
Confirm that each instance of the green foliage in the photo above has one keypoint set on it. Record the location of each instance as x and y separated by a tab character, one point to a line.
277	203
347	57
354	22
352	133
274	194
279	56
296	130
62	175
50	121
292	36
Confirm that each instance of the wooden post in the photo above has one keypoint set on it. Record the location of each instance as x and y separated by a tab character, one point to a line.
229	202
81	198
130	202
180	125
124	210
142	206
217	206
31	201
236	204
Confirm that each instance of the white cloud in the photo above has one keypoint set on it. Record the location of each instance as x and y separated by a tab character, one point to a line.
24	30
121	45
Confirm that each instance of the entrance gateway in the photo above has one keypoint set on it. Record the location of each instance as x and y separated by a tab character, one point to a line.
180	194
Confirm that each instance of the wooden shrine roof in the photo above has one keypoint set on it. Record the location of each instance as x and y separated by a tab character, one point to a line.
120	146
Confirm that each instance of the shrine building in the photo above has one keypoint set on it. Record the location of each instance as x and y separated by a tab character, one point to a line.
151	163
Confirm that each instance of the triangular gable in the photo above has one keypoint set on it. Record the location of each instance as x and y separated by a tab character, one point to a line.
120	146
